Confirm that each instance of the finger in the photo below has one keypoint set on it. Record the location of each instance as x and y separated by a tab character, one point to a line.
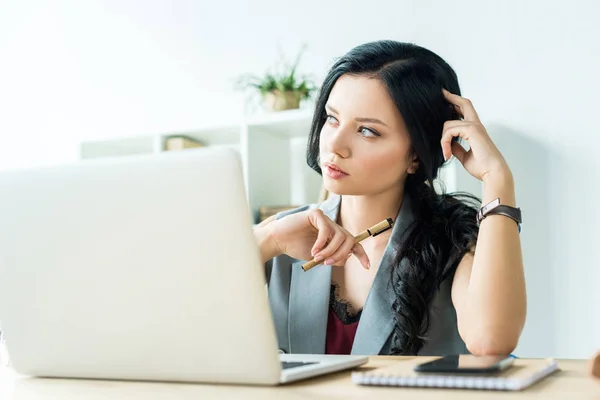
465	106
459	113
331	248
324	231
341	254
461	131
360	253
454	122
459	152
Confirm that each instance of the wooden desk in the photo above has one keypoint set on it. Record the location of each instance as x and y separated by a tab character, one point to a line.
570	383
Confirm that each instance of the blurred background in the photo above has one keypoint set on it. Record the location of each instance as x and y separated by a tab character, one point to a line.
85	79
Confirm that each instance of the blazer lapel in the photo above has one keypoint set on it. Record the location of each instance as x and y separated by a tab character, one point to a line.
309	299
309	303
377	322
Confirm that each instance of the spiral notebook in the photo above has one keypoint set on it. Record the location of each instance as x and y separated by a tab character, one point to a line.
521	375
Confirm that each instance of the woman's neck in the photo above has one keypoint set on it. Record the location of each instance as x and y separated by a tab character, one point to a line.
358	213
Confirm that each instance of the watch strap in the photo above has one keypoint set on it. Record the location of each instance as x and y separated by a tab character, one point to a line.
494	207
507	211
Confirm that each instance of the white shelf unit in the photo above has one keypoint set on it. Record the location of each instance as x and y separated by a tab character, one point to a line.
272	149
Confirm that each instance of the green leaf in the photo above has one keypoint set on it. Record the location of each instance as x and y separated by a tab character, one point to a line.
284	80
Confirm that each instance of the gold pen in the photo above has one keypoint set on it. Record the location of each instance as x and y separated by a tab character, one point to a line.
372	231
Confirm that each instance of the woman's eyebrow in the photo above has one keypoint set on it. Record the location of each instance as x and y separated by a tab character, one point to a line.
333	110
372	120
362	119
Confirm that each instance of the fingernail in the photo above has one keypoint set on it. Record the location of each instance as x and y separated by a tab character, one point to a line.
329	261
315	252
318	257
368	264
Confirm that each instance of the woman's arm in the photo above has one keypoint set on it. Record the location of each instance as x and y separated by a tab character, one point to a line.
264	240
306	235
488	291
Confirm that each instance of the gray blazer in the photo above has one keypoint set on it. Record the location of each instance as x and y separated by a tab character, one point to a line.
299	301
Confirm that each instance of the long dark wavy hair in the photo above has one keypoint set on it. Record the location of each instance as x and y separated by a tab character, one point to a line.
445	228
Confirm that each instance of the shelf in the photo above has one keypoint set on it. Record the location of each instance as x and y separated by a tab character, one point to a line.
292	123
272	148
212	135
280	116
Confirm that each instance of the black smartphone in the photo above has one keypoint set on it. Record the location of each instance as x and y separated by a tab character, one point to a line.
466	363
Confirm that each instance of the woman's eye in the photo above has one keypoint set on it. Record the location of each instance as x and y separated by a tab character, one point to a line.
366	132
331	119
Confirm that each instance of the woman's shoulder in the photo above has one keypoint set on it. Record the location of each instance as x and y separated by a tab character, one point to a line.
294	210
456	218
326	206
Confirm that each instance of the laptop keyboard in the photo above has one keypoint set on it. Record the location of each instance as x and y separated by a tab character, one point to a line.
287	364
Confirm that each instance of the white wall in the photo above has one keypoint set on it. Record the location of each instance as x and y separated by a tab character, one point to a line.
71	70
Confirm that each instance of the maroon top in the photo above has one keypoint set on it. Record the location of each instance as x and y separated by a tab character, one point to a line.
341	326
339	337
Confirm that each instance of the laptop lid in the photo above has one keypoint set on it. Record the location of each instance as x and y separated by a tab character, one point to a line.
140	267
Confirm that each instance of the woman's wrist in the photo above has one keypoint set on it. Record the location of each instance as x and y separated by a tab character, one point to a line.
267	245
499	184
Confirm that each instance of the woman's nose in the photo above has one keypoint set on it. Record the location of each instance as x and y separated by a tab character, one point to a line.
339	142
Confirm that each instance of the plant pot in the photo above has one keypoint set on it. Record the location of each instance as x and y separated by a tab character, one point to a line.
279	101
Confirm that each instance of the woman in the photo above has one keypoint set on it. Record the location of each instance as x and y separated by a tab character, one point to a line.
439	282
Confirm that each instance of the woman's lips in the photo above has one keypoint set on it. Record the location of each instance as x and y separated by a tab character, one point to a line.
334	172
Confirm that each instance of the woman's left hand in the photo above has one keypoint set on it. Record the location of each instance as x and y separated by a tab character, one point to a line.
483	159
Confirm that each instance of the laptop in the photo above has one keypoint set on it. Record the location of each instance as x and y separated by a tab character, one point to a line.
140	268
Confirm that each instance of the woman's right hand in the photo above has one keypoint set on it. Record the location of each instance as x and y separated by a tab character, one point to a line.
311	234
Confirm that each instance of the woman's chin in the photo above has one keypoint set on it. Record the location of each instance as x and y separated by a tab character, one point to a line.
340	188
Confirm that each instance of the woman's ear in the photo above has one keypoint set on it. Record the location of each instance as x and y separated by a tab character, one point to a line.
414	165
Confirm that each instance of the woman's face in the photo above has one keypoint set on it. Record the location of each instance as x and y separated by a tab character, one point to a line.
364	145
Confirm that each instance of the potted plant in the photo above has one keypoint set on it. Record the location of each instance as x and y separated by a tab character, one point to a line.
282	89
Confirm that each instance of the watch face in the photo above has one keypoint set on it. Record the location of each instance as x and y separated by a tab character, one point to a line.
491	205
487	208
